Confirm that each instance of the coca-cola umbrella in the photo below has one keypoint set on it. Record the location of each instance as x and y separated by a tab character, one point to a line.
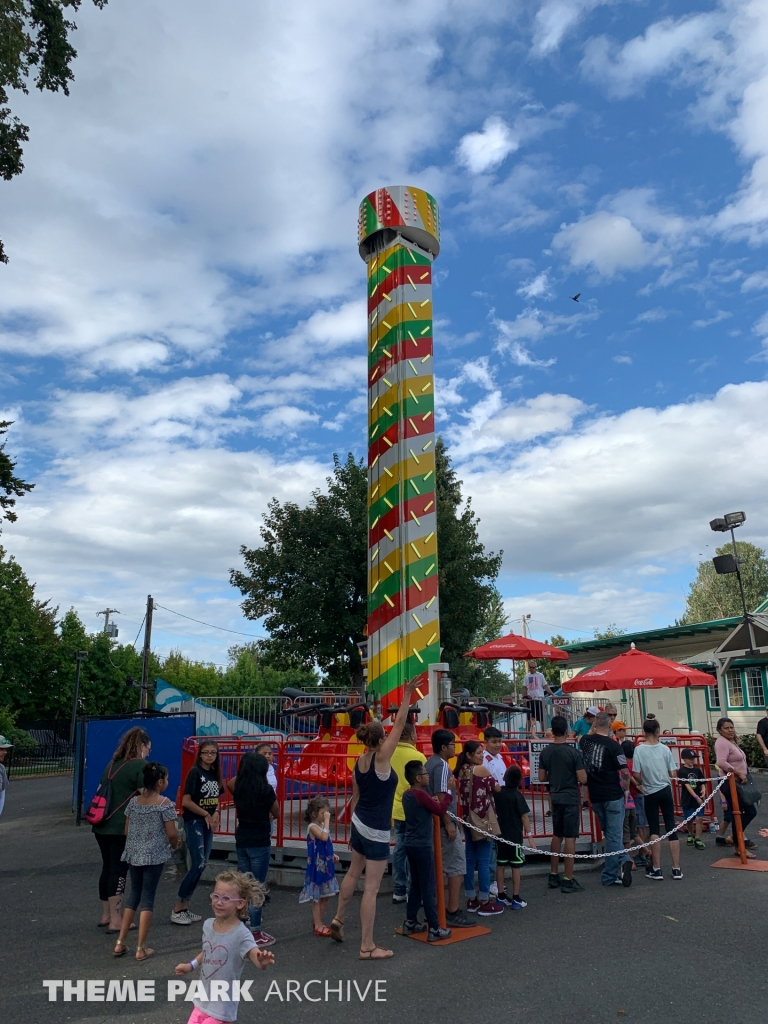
636	670
518	648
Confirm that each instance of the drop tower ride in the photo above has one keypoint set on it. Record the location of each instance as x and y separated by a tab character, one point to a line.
399	238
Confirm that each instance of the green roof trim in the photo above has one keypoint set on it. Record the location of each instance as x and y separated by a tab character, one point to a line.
668	632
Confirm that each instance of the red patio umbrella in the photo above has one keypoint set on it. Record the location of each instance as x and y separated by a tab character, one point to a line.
636	670
518	648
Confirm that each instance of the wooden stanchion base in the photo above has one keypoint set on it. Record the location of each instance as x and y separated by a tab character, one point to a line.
735	864
457	935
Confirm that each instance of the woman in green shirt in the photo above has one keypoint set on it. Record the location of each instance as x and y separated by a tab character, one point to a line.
126	774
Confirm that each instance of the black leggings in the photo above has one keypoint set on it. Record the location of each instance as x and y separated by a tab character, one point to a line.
661	802
144	882
113	870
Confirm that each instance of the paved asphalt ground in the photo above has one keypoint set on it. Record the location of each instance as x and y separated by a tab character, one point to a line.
656	952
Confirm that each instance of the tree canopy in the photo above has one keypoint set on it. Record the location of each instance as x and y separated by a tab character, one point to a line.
308	579
11	486
713	597
34	45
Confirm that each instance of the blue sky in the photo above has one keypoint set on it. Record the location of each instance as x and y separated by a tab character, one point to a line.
182	324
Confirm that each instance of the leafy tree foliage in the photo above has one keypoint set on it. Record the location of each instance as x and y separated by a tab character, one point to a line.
34	43
309	578
309	581
713	597
11	486
246	675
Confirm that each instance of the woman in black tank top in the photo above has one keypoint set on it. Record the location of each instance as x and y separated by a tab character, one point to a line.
373	793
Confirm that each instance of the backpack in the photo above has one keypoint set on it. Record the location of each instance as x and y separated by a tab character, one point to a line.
102	798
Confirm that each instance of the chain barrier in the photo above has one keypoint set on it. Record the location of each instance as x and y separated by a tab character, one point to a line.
600	856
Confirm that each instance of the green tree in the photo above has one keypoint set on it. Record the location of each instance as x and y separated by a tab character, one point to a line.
485	678
34	41
29	642
247	675
610	630
467	572
11	486
551	669
309	578
713	597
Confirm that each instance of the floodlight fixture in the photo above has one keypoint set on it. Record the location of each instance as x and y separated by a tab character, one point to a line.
718	525
733	519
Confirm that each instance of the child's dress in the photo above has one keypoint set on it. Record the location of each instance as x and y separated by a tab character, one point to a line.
320	879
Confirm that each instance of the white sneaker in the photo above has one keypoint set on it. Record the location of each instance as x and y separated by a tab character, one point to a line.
493	889
184	917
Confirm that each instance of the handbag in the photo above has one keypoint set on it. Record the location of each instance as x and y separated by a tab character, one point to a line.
489	823
749	794
102	798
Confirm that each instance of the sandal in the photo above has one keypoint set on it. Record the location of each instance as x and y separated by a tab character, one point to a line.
323	931
369	954
147	953
750	855
119	952
337	930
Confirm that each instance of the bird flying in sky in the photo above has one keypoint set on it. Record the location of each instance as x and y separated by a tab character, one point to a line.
576	296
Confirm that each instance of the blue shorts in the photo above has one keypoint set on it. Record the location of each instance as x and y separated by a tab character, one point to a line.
641	820
367	847
687	811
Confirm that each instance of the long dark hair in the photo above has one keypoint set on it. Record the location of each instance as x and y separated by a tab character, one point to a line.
215	768
251	786
469	748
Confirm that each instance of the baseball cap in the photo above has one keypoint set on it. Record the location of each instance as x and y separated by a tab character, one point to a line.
592	710
4	743
618	725
687	753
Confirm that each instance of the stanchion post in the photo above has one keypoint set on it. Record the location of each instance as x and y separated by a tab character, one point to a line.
738	831
439	872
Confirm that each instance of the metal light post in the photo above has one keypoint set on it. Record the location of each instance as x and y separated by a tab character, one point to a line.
80	657
726	565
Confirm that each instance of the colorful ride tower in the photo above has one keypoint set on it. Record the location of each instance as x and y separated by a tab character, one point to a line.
399	238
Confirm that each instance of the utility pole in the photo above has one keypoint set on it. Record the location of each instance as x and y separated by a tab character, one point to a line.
107	612
147	652
525	623
80	657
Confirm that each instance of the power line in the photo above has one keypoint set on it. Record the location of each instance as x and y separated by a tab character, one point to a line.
237	632
140	629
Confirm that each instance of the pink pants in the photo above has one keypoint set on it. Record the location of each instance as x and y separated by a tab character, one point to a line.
201	1017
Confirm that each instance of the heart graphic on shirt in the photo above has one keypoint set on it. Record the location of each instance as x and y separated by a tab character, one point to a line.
214	958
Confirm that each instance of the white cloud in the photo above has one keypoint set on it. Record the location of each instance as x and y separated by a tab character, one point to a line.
627	489
755	282
532	325
626	360
169	204
535	417
652	316
606	242
485	150
665	47
538	288
555	19
721	315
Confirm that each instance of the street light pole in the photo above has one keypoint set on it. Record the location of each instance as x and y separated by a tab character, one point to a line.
80	657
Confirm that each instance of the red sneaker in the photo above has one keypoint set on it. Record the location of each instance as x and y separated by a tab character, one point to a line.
472	905
490	909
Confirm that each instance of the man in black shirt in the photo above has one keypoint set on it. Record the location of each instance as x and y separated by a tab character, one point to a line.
561	765
607	781
762	735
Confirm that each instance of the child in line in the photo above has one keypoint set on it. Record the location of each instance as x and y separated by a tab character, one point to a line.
635	825
512	811
691	782
418	807
320	880
227	944
150	827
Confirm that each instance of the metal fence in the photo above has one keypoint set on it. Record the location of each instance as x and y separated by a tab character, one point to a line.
51	754
265	712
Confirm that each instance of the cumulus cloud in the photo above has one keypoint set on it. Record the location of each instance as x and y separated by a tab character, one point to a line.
555	19
606	242
648	480
538	288
533	325
487	149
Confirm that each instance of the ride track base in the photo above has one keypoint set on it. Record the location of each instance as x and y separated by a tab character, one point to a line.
457	935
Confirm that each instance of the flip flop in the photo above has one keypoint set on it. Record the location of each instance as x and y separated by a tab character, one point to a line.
750	856
323	931
368	954
337	930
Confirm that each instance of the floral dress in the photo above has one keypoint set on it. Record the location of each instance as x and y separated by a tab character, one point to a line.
320	879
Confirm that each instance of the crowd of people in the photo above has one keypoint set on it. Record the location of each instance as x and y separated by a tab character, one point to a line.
483	823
